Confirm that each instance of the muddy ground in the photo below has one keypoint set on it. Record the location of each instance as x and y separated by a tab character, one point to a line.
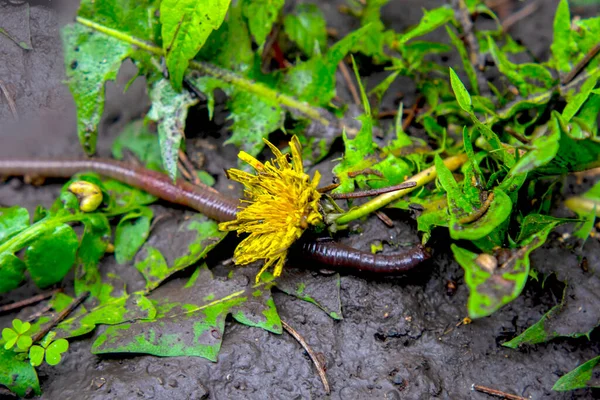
399	337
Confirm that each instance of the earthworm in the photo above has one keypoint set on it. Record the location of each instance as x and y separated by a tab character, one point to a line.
338	255
212	204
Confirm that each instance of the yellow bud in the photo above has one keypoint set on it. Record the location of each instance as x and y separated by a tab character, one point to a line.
88	194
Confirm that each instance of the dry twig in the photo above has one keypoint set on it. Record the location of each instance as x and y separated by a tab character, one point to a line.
27	302
311	354
348	78
497	393
61	315
11	102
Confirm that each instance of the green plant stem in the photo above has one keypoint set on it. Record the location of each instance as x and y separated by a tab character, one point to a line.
581	205
32	232
219	73
421	179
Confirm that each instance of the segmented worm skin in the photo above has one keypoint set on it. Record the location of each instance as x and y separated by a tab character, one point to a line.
211	204
337	255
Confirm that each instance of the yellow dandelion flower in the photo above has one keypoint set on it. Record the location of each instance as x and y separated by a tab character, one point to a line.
282	201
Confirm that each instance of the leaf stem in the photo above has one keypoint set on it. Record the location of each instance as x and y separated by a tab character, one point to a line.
219	73
421	179
33	231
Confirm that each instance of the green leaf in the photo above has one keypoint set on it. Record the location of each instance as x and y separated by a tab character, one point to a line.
169	110
10	336
17	374
12	221
52	255
430	21
492	288
528	78
543	149
127	308
191	241
131	233
190	320
136	138
24	342
186	25
314	80
462	95
307	28
138	18
91	59
561	43
577	101
574	154
261	14
54	351
12	272
253	119
584	376
93	245
464	56
36	355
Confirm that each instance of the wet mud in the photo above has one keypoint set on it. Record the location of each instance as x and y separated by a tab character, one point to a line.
400	338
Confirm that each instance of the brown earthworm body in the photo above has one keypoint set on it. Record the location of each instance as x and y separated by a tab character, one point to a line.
211	204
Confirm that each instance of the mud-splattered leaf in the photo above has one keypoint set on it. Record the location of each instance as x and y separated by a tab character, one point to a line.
127	308
186	25
91	59
261	14
137	138
587	375
173	249
52	255
492	286
14	24
322	291
190	319
253	119
306	27
12	221
17	374
131	233
169	110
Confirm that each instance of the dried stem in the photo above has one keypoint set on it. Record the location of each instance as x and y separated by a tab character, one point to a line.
348	78
581	64
11	102
497	393
521	14
61	315
372	192
27	302
311	354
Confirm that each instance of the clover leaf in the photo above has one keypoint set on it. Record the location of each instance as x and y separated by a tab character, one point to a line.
51	349
17	335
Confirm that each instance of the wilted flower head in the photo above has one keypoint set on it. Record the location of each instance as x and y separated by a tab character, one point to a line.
282	202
